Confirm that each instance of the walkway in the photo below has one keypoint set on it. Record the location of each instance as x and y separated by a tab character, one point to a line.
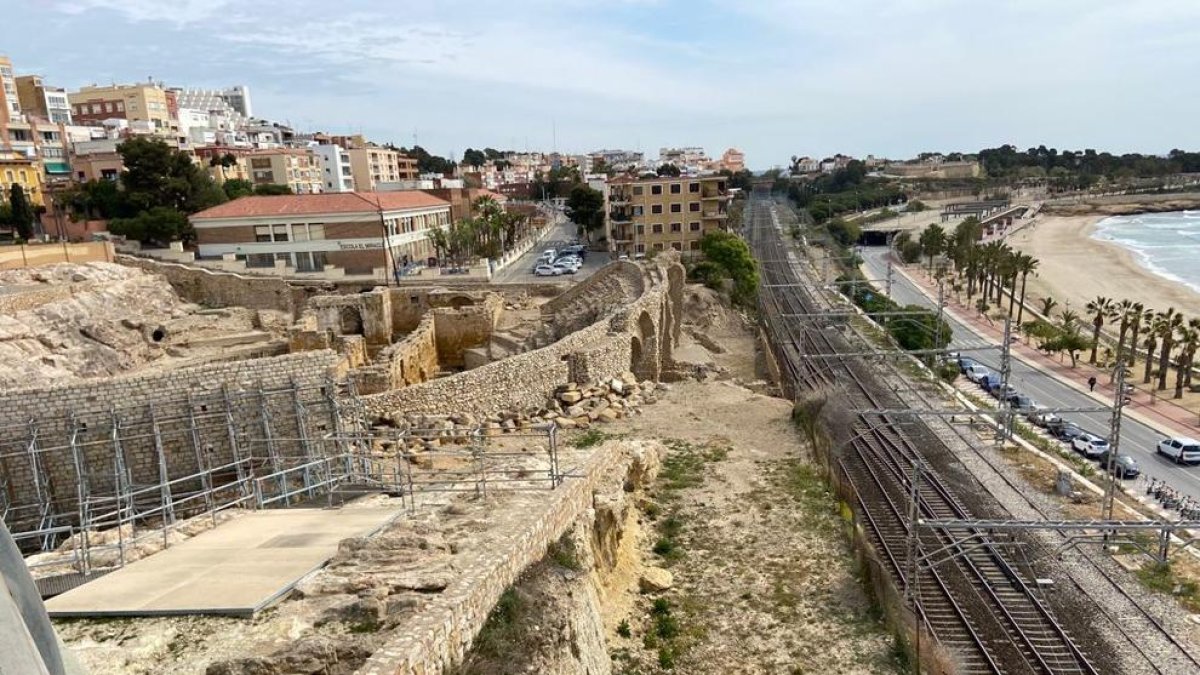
235	569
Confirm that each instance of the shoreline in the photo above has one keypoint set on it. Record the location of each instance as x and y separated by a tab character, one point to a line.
1075	267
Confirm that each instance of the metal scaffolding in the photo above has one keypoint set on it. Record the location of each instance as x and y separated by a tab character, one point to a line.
93	487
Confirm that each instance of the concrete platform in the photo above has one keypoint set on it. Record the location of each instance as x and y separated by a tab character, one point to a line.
236	569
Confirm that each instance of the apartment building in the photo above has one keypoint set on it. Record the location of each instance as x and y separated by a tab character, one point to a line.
336	170
134	102
19	161
360	232
372	164
295	168
663	213
733	160
38	98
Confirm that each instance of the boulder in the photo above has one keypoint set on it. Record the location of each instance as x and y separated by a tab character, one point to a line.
655	580
570	397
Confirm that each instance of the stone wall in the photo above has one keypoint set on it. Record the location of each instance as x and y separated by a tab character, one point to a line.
189	407
636	334
223	289
438	637
20	301
612	286
411	361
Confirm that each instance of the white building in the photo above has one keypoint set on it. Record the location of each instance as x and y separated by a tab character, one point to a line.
335	167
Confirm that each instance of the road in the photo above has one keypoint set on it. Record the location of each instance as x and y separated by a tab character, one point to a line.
555	236
1137	439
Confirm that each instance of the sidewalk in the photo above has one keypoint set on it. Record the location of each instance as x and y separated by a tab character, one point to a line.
1150	410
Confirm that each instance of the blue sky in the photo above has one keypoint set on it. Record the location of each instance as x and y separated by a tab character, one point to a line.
773	77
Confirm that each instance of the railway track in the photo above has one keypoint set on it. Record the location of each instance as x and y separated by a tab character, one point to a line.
978	605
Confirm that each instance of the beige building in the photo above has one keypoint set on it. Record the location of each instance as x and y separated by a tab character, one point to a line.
135	102
663	213
295	168
359	232
733	160
19	160
48	103
372	164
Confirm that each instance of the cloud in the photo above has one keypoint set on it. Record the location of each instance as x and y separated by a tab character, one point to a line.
178	12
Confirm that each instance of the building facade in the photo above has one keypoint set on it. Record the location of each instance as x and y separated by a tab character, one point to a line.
133	102
372	164
359	232
662	213
37	98
336	171
19	160
295	168
733	160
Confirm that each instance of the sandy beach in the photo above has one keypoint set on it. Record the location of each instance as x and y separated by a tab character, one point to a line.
1075	267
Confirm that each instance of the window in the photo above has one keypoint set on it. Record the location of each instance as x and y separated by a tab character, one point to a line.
676	188
658	246
676	227
260	260
694	226
262	233
120	106
693	245
693	187
637	190
641	248
639	210
677	208
641	230
677	246
656	189
310	262
281	232
656	228
657	208
694	207
300	232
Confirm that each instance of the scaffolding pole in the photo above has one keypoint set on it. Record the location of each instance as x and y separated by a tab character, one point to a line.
203	465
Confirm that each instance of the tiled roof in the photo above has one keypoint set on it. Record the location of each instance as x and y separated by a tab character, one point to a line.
329	202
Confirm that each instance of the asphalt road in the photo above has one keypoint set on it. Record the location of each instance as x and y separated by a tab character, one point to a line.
1137	439
557	236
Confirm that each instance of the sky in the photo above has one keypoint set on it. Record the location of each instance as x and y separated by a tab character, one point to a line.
775	78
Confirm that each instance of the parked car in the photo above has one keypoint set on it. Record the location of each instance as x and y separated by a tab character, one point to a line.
1067	432
547	271
1123	466
1089	445
566	267
1001	392
570	259
1182	450
976	372
577	250
1040	417
1022	403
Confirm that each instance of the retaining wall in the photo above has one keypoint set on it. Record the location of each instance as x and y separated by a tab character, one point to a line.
224	289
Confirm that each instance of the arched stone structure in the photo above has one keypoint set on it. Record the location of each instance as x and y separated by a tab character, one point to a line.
647	367
677	279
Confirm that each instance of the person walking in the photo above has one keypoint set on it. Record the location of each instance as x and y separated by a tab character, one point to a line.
1092	383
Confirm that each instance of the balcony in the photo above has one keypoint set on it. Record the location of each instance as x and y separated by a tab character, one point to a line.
714	215
620	216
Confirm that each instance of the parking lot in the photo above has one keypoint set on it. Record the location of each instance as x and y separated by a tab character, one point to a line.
561	235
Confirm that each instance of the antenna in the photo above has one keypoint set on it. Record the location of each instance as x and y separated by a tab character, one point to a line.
553	135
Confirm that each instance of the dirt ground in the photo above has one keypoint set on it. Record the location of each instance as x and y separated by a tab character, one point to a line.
764	580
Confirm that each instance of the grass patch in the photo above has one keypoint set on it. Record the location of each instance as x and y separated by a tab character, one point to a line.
501	633
564	554
589	438
1161	578
623	629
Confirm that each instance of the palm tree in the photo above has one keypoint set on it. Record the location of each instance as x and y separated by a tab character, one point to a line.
1189	341
1048	305
1068	319
1141	317
1123	311
1171	323
1154	326
1101	308
933	242
1194	325
1025	264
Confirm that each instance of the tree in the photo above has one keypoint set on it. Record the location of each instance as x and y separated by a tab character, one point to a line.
1100	308
237	187
1172	321
475	158
272	189
101	199
1154	326
158	175
1025	264
844	232
933	242
732	255
585	207
1048	305
1123	311
20	212
159	225
668	170
1189	342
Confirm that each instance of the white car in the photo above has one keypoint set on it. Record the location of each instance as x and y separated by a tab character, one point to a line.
977	373
547	271
565	267
570	260
1089	445
1182	450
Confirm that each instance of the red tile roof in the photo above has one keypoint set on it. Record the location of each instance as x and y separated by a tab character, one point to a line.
329	202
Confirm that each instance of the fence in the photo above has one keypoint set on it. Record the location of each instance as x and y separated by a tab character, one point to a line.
20	256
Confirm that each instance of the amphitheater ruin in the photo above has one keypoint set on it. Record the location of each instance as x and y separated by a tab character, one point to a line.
157	401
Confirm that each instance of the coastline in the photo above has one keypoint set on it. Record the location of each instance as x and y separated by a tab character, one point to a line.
1076	267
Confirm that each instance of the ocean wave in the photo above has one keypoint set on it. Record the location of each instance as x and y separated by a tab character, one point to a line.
1165	244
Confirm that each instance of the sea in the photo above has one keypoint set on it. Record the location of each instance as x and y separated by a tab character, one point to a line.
1167	244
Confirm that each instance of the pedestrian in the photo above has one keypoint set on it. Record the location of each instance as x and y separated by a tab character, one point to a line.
1092	383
